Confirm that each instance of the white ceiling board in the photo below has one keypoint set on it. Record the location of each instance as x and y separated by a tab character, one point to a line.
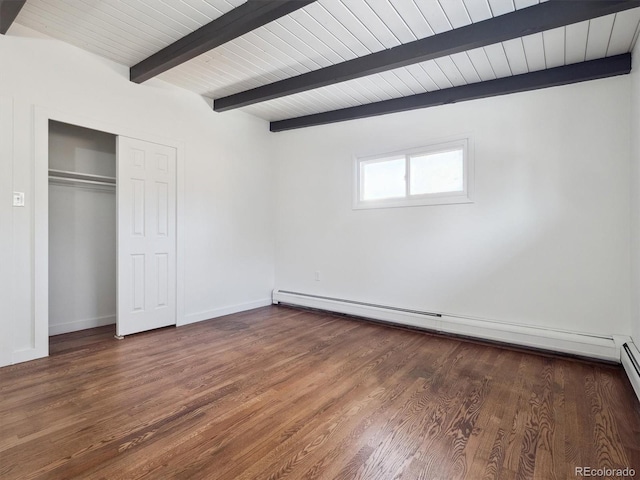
151	18
302	103
77	14
498	59
227	64
623	34
203	85
365	14
422	77
481	63
478	10
277	109
296	29
514	49
379	84
148	36
188	82
269	59
189	16
374	85
452	73
434	15
456	12
209	9
146	26
534	50
328	98
321	34
250	61
362	89
59	27
410	80
359	96
635	39
500	7
266	37
276	29
223	5
576	42
170	16
466	68
353	24
412	16
554	47
599	34
337	29
525	3
436	74
394	22
398	87
308	102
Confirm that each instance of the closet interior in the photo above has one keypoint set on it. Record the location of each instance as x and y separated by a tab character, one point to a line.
82	228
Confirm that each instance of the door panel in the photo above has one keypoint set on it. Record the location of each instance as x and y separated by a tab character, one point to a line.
146	236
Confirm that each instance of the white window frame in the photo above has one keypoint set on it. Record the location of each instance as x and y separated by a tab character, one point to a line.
443	198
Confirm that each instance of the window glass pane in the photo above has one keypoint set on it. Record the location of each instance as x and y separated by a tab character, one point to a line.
437	172
383	179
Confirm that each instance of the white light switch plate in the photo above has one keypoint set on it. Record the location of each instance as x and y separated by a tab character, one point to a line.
18	199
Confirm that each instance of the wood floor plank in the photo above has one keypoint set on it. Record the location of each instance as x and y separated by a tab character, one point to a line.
281	393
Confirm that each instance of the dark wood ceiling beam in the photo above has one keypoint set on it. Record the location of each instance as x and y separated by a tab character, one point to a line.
534	19
9	10
237	22
578	72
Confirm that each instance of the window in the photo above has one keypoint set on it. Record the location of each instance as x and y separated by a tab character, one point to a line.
431	175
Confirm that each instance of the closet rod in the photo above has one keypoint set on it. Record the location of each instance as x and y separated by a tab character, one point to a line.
79	180
81	176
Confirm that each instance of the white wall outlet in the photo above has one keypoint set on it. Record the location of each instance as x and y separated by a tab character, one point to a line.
316	276
18	199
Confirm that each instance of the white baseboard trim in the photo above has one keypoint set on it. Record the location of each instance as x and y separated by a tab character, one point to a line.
630	358
81	325
221	312
575	343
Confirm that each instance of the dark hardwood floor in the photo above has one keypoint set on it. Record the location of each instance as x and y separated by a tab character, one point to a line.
285	393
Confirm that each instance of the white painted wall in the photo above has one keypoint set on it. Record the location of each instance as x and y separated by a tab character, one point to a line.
635	195
228	210
82	232
545	244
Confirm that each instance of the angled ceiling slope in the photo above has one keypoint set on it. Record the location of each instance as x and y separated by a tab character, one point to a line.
242	19
307	62
553	77
534	19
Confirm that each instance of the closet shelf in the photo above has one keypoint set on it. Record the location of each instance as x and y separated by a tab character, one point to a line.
83	178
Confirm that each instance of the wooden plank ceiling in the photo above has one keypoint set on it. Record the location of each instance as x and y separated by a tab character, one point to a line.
324	33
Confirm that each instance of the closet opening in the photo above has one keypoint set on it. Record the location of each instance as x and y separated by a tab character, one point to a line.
82	229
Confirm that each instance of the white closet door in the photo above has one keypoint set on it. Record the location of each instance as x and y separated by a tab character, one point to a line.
146	236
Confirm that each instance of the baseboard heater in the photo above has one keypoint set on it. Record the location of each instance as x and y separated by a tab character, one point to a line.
365	304
588	345
630	358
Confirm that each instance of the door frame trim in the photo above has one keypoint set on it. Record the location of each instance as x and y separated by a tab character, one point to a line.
41	117
6	220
